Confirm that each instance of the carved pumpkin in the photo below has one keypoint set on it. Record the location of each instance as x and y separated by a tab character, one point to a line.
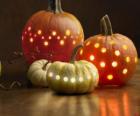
49	34
114	55
74	77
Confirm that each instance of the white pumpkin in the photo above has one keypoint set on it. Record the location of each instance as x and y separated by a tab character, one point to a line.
37	72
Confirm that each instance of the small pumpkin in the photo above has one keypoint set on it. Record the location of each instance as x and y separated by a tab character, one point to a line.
48	34
74	77
37	72
113	54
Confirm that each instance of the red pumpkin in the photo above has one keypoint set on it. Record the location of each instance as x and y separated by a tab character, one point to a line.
114	55
51	34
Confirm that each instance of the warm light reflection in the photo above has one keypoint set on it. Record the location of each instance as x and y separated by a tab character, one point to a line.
112	42
91	57
43	37
113	105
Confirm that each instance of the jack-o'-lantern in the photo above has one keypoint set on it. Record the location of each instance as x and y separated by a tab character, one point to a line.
51	34
114	55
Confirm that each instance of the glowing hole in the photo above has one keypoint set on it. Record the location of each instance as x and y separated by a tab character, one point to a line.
43	37
103	50
117	53
91	57
29	28
65	37
73	80
30	34
114	64
62	42
25	32
39	32
109	77
81	79
102	64
35	35
58	37
97	45
88	43
65	79
50	74
136	59
46	43
81	52
68	33
31	40
71	36
74	42
125	47
127	59
124	71
57	77
50	37
54	33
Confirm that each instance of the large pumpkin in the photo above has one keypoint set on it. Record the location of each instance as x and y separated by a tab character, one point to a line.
74	77
51	34
114	55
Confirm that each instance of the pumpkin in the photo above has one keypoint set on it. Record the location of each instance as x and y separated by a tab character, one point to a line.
74	77
37	72
113	54
48	34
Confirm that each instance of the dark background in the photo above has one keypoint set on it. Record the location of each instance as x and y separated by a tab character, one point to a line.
124	14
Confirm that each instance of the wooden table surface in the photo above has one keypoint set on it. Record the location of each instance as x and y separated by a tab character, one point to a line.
123	101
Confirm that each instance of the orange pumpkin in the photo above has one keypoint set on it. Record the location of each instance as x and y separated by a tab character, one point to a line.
51	34
114	55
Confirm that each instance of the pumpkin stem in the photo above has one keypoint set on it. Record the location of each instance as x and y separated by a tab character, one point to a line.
106	27
44	67
74	53
55	6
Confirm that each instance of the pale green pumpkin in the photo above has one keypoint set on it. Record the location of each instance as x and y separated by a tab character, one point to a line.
37	73
74	77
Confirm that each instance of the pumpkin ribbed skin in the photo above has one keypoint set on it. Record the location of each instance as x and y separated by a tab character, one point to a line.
78	77
37	73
